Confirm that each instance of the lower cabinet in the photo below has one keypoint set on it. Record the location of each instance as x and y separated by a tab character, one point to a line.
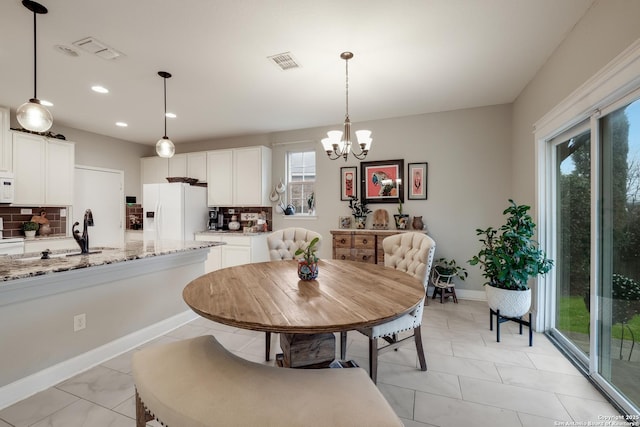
238	249
360	245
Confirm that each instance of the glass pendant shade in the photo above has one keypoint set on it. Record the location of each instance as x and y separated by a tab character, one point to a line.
34	116
165	147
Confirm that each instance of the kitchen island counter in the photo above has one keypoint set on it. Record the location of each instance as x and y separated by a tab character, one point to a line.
29	265
66	314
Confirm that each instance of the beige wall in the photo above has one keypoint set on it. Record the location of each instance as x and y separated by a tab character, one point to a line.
607	28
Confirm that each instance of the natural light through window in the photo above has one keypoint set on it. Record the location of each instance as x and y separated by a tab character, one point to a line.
301	179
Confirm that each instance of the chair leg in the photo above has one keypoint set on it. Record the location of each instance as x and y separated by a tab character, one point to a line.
267	346
343	345
373	359
142	416
417	335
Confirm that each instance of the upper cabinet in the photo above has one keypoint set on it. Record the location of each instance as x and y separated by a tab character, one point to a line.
43	169
5	141
155	170
239	176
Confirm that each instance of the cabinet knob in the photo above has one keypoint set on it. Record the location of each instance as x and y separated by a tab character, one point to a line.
364	241
342	240
365	257
343	257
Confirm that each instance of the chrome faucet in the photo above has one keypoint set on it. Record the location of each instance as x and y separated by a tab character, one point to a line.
83	241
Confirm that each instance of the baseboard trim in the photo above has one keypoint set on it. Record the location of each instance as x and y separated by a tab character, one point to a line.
471	295
39	381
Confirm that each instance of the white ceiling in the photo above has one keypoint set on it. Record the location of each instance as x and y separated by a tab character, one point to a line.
411	57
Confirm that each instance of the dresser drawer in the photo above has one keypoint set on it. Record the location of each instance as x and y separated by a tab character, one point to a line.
342	241
364	242
364	255
343	254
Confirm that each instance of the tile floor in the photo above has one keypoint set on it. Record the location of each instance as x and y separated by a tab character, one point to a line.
471	379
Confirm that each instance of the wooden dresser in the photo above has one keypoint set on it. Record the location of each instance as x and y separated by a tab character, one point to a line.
360	245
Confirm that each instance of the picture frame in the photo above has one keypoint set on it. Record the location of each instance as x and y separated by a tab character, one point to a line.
381	181
344	222
348	182
417	181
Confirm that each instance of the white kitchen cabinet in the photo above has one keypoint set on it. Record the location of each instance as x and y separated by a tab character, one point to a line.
197	165
220	178
154	170
6	159
239	176
178	165
238	249
43	169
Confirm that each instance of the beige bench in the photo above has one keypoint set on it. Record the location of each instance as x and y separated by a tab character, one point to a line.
197	382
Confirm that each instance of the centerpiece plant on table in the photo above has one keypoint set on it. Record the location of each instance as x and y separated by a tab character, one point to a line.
308	262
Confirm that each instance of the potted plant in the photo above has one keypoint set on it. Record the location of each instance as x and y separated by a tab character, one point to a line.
30	229
359	211
401	219
448	269
509	257
308	263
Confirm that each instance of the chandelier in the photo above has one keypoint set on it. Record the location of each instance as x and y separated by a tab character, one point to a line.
338	143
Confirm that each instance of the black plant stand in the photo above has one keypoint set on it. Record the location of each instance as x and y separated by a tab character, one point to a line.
502	319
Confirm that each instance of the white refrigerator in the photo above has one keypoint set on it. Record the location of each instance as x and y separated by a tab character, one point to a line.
173	211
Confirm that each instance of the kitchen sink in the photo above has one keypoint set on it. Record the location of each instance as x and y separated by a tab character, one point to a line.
54	256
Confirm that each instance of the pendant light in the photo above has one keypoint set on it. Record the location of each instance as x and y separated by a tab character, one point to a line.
164	146
33	115
338	144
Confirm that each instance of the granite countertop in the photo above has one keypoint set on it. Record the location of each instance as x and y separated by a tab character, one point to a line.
234	233
14	267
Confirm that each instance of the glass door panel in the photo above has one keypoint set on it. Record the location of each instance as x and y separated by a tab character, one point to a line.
619	285
573	216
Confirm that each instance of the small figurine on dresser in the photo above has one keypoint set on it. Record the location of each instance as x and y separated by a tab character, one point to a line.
45	227
380	219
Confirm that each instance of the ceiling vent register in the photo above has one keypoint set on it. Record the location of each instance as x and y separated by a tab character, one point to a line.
284	60
97	48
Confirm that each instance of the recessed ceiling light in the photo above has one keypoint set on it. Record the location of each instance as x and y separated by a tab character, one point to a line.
99	89
170	115
121	124
46	103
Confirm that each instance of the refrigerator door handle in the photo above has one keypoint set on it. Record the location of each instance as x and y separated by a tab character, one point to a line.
156	221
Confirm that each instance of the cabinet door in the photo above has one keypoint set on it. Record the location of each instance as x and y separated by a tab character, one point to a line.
235	255
60	163
5	141
28	168
178	166
250	176
154	170
220	178
197	165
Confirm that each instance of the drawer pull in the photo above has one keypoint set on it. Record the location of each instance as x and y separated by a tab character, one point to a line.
365	257
364	241
343	257
343	241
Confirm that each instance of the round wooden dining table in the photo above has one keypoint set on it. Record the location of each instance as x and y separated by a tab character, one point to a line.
270	297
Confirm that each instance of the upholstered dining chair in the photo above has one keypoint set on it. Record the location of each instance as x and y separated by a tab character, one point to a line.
412	253
283	245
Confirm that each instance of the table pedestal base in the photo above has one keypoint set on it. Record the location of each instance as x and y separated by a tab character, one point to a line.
307	350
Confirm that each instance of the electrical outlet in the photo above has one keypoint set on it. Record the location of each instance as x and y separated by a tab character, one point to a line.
26	211
79	322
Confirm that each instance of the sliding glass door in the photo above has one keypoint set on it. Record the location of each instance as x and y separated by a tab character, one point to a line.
596	211
618	287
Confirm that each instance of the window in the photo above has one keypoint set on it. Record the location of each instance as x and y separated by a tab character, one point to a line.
301	181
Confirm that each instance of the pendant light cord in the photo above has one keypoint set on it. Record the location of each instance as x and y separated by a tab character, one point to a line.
165	106
35	60
347	88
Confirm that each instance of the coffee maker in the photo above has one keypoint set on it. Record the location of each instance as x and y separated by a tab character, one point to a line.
213	219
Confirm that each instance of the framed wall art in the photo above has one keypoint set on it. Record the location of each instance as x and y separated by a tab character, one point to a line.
348	182
417	181
344	222
381	181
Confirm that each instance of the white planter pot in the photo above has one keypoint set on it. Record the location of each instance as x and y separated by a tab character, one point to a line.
30	234
511	303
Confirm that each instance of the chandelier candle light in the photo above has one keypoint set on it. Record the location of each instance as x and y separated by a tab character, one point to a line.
338	144
164	146
33	115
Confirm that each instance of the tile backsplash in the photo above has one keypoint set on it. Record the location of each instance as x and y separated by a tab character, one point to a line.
12	218
268	210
